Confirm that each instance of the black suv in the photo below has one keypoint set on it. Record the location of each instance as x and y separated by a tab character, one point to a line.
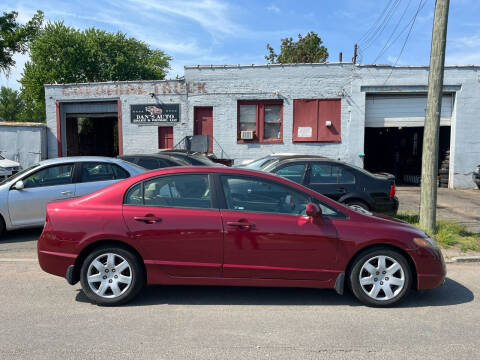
476	176
339	181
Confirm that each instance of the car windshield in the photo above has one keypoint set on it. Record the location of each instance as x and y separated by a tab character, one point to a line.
193	159
19	174
138	167
260	163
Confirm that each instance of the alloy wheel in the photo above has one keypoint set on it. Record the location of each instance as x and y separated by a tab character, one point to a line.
109	275
382	278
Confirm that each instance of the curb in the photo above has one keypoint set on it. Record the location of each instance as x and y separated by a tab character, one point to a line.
462	259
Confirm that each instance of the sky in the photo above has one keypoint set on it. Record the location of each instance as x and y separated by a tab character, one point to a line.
236	31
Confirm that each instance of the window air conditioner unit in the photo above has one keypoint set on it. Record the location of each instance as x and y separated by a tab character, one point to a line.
246	135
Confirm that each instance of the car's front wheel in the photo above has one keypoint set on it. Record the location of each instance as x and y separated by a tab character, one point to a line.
380	277
111	276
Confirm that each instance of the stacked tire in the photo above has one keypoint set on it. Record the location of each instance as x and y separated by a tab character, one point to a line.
444	170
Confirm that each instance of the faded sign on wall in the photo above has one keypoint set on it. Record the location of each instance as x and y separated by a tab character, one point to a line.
154	113
160	88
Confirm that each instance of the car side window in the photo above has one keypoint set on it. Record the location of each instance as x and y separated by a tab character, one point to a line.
185	191
330	174
96	171
293	172
119	172
51	176
259	195
134	195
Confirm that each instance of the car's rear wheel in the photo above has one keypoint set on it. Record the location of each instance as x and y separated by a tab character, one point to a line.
380	277
111	276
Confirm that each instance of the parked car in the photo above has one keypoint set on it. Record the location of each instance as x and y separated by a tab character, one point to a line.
24	196
476	176
153	161
339	181
8	167
191	159
196	225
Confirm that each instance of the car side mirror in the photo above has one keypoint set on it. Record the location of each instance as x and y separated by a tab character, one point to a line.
19	185
313	210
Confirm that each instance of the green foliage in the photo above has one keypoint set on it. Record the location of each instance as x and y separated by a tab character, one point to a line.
15	38
308	49
62	54
449	233
11	104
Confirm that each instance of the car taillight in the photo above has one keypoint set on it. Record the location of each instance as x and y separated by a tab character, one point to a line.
392	191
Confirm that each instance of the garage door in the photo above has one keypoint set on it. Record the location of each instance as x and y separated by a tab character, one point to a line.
385	110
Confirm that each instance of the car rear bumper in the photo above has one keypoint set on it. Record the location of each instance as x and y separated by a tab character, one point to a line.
55	263
388	207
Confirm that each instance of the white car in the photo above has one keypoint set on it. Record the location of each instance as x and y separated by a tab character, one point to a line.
8	167
24	196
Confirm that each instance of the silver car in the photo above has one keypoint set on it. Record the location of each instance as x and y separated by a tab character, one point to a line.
23	196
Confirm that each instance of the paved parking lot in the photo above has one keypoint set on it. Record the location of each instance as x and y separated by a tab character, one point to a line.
460	205
43	317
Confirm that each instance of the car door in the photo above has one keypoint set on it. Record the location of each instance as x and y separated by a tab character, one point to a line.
330	179
175	220
267	234
27	206
96	175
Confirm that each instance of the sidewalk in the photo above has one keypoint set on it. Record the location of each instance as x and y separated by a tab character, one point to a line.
462	206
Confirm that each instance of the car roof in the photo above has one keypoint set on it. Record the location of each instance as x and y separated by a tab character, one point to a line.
160	156
69	159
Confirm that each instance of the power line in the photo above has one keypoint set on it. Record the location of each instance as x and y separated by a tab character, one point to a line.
421	4
364	36
389	43
378	31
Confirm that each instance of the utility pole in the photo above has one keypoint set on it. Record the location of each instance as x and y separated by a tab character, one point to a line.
428	192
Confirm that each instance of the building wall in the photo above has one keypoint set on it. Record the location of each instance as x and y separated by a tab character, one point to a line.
228	85
223	86
24	143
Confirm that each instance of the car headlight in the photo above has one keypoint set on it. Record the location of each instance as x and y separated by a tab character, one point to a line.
425	241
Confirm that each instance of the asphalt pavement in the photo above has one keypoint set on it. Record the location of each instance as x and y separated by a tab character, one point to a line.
43	317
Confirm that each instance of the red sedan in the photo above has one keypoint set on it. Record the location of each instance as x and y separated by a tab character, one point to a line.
226	226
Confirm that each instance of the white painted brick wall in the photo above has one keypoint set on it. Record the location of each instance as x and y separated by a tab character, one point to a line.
226	85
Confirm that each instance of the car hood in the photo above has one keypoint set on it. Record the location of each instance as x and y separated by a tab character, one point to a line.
8	163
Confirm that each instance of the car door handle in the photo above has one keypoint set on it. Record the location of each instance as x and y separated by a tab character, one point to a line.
148	219
66	192
241	224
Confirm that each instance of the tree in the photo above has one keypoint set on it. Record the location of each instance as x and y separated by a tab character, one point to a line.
11	105
308	49
62	54
15	38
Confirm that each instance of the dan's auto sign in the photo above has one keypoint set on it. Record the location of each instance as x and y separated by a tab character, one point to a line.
153	114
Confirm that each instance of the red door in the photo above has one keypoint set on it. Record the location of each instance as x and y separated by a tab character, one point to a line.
266	236
203	123
165	137
172	218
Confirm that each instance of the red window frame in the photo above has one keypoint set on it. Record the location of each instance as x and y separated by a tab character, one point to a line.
260	123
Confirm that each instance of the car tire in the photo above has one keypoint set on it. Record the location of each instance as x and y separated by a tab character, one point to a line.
372	282
120	276
355	204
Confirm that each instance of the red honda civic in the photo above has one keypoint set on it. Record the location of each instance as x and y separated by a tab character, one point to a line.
225	226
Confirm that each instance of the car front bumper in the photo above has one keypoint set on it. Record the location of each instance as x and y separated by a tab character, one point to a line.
431	268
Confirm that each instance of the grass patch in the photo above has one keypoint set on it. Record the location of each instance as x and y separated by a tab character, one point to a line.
449	233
